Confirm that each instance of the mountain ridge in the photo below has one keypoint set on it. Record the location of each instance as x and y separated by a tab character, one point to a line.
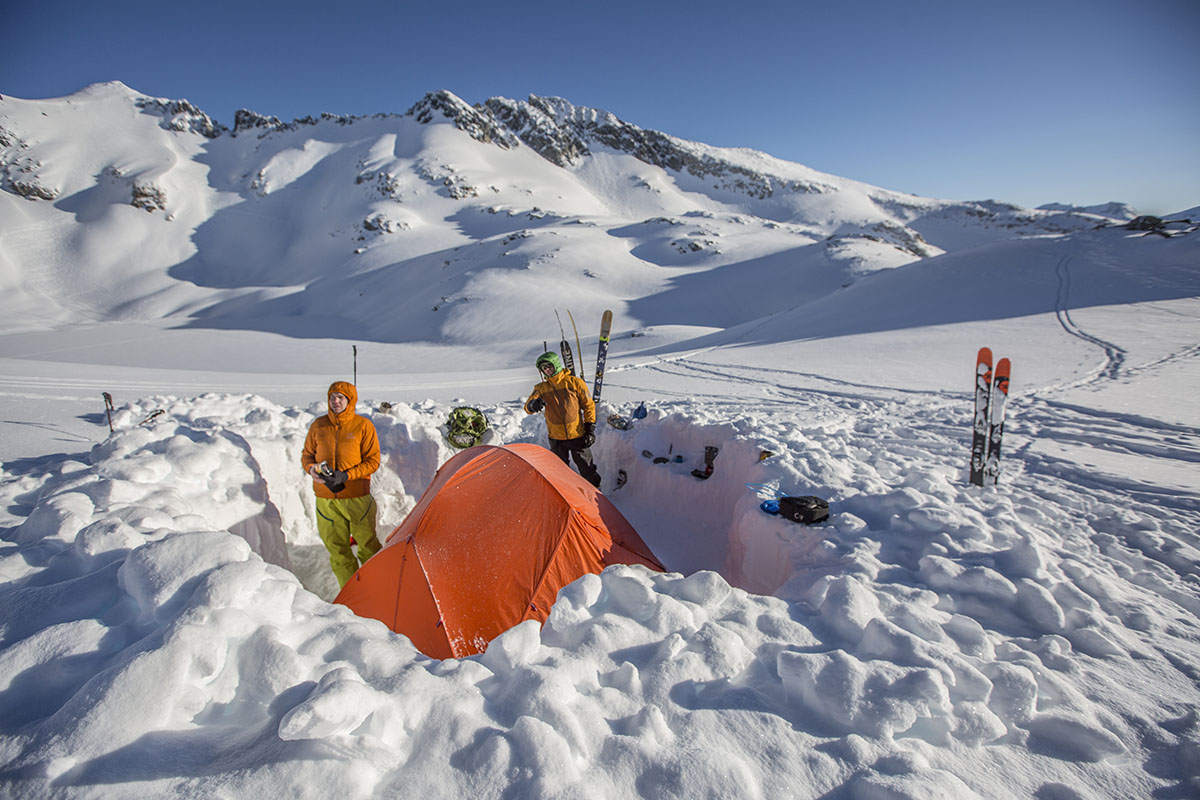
552	126
449	211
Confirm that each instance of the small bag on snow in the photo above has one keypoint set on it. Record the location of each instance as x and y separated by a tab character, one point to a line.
466	427
806	509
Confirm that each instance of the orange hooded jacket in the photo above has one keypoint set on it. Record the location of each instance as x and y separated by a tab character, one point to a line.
345	441
568	405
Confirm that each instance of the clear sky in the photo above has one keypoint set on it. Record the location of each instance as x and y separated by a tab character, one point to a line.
1024	101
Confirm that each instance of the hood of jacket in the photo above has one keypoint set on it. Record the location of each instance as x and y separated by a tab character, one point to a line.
346	388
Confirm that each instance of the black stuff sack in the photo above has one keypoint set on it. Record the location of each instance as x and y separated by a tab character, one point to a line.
806	509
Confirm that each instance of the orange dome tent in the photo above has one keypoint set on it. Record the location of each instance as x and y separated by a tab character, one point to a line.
491	541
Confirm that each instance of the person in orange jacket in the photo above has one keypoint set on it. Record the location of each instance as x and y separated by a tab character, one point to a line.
570	414
340	453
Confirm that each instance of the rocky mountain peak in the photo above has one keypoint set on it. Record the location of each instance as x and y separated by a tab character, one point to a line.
246	120
538	127
563	133
180	115
473	121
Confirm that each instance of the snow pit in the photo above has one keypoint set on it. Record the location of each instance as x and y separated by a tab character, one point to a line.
231	462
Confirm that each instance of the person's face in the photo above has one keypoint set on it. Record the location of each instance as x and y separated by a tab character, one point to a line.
547	368
338	402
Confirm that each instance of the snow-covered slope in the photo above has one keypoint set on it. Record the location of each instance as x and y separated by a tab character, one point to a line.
165	627
427	226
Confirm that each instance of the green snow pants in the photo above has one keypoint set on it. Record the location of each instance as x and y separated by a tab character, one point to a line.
339	520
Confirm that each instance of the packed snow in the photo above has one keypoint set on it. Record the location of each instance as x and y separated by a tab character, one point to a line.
166	616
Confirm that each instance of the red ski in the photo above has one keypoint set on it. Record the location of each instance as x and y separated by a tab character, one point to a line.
999	400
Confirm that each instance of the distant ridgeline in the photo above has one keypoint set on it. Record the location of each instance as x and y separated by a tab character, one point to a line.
565	134
551	126
121	206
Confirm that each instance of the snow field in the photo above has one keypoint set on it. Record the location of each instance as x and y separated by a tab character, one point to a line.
924	611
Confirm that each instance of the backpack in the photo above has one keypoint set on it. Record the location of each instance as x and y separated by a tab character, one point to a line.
806	509
465	427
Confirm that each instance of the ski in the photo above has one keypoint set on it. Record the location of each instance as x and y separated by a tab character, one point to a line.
564	347
983	394
568	358
578	346
999	400
602	354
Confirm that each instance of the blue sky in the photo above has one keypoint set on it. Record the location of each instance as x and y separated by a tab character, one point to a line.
1027	102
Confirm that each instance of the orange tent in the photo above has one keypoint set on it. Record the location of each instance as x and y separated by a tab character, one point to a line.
491	541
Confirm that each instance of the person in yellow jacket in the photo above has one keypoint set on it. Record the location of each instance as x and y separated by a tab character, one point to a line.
570	414
341	452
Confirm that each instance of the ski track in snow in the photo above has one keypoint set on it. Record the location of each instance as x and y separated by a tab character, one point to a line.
1114	356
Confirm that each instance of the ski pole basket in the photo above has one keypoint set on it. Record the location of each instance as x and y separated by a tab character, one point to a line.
465	427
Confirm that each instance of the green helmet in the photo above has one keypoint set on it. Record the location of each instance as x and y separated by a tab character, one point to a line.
551	358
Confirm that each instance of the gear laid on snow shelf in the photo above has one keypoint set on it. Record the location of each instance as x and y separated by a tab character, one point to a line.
465	427
625	423
663	459
804	509
710	455
619	422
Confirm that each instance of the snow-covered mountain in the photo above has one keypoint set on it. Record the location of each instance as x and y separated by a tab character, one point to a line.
165	624
425	226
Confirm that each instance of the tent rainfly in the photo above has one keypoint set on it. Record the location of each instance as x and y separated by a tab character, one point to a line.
491	541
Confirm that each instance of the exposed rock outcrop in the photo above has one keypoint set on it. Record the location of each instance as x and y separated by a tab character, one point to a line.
538	130
563	134
245	121
148	197
475	122
19	170
180	115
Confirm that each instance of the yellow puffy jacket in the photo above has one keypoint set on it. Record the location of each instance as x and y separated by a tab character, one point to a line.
345	441
568	405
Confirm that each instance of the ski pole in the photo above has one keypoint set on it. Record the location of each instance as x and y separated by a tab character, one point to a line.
355	347
108	405
578	346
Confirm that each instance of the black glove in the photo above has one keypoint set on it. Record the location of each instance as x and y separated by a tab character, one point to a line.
337	481
589	434
536	404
